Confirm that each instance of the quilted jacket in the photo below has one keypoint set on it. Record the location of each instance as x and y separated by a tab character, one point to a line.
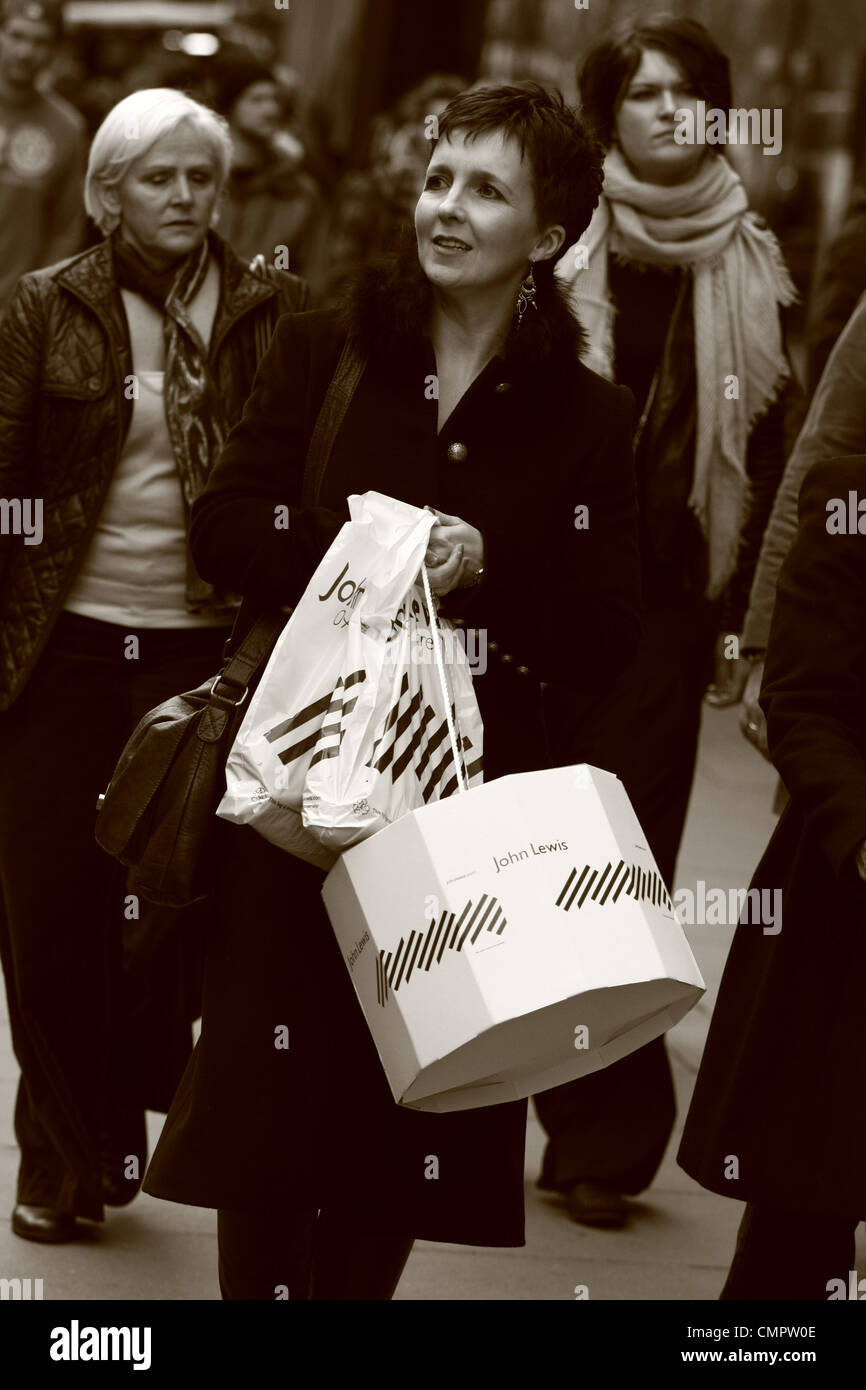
65	360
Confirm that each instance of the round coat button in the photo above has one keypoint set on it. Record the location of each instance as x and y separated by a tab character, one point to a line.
458	452
523	671
505	657
493	646
93	384
503	387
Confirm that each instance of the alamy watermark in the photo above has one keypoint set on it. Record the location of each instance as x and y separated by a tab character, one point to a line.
720	907
462	645
738	126
22	516
20	1289
77	1343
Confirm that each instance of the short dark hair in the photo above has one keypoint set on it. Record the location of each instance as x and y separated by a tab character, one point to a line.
564	157
612	63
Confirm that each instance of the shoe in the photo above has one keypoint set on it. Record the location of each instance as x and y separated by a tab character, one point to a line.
128	1141
591	1204
45	1224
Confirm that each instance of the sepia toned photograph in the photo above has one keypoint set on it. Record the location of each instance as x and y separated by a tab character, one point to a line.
433	669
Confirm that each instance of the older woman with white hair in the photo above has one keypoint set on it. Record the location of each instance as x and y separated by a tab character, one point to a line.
121	372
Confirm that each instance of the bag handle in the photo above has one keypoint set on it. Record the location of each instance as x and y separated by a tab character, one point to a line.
462	783
347	374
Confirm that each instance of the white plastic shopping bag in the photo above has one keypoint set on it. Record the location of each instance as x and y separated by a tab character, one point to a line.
374	765
348	729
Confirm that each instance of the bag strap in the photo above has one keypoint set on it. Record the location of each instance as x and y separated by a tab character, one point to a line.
243	663
462	781
348	372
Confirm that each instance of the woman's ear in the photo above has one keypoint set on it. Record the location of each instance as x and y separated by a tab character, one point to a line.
548	243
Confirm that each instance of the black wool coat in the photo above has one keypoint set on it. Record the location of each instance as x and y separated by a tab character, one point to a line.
534	437
781	1083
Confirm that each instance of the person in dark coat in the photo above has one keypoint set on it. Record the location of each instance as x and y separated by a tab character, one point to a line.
271	206
680	289
321	1181
835	426
777	1117
120	372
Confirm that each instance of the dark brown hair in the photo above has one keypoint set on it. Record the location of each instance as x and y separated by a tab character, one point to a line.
564	157
612	63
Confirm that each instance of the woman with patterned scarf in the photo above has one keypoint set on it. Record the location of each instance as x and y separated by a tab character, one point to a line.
679	288
121	373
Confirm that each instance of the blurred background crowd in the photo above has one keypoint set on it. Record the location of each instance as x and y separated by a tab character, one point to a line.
327	101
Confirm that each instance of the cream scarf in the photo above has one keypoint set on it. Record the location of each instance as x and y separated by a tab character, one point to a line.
740	280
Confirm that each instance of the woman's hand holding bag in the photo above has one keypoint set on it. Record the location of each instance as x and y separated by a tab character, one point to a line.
455	554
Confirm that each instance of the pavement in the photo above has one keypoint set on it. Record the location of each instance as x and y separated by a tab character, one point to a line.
679	1239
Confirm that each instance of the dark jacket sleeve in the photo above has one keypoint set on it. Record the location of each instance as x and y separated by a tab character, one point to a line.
841	281
21	332
834	427
237	535
769	444
814	692
568	606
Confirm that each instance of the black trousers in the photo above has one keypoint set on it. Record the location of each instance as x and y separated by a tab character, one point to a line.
297	1253
613	1126
101	988
790	1255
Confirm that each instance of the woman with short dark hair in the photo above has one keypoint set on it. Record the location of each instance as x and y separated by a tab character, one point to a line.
679	288
318	1176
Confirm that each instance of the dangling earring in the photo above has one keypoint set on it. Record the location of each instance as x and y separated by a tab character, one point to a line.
526	296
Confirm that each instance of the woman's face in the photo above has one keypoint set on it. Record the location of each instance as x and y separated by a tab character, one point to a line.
167	197
476	220
645	122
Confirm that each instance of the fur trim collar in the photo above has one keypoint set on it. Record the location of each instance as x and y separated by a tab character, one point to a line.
387	310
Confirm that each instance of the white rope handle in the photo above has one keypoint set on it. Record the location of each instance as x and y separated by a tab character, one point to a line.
462	783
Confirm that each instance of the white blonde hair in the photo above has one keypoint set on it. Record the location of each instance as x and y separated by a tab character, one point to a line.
131	128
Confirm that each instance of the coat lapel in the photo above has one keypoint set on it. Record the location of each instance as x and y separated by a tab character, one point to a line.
241	290
92	279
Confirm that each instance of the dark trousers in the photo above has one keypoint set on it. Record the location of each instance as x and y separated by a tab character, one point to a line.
789	1255
100	1008
613	1126
297	1253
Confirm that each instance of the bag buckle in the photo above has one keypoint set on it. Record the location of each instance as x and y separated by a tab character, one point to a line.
232	704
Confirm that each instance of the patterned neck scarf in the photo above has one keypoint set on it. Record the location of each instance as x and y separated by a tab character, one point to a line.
193	409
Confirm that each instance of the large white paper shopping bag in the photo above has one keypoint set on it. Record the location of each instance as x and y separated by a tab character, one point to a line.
510	938
339	735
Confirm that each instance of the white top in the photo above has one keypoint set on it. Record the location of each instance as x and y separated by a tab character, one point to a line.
134	571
